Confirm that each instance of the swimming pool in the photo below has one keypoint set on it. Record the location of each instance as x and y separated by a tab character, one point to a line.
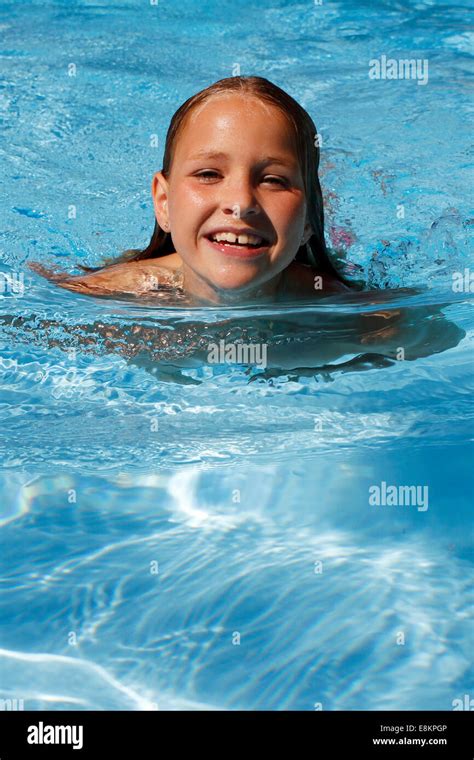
203	537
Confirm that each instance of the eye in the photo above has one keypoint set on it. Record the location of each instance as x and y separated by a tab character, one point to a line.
205	174
276	180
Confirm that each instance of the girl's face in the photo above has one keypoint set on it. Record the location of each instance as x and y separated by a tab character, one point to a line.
235	169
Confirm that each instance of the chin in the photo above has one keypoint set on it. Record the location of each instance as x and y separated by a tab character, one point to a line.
231	279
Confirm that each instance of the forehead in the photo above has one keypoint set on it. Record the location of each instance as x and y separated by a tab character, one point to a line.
236	124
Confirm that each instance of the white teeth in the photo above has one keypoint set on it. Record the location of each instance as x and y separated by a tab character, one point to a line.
229	237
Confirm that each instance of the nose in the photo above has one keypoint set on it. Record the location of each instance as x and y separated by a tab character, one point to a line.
238	196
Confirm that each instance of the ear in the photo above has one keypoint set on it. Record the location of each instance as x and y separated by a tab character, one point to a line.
308	231
159	192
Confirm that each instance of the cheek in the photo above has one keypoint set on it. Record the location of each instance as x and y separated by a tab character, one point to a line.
290	218
187	202
187	212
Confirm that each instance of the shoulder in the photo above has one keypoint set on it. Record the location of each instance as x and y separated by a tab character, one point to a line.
301	279
135	277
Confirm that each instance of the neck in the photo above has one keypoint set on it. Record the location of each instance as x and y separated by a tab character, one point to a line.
205	292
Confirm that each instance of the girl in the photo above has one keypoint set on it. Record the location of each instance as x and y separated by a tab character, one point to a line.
238	206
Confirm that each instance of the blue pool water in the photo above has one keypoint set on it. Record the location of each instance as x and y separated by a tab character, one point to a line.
179	535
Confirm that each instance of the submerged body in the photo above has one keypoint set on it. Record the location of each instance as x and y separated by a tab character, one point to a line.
303	342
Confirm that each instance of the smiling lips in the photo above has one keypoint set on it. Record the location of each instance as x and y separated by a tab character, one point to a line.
239	243
241	238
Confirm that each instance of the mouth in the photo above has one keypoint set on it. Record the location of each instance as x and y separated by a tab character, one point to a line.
238	246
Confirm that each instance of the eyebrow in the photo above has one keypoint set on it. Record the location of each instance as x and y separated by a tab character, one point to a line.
219	154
